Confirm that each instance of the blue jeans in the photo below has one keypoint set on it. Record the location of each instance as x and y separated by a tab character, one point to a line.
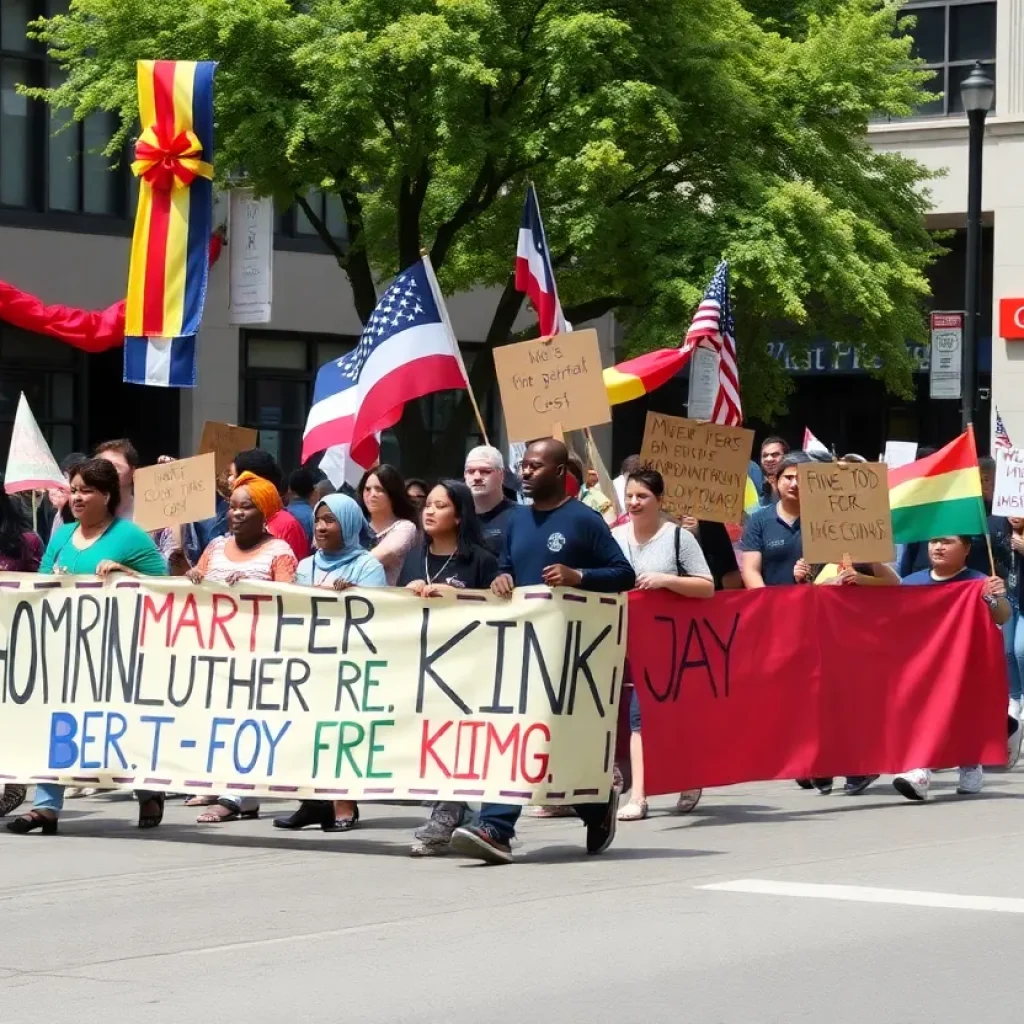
50	797
503	817
1013	643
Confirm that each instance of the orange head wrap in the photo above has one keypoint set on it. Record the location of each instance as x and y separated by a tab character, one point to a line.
263	493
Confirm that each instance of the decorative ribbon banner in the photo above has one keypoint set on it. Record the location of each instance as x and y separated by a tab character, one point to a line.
801	682
169	265
270	689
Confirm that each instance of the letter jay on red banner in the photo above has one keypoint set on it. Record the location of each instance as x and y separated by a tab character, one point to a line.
794	682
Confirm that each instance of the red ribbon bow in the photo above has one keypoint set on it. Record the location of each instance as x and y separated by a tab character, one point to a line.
165	165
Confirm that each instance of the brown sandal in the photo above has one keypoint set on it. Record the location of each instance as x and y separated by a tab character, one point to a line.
223	811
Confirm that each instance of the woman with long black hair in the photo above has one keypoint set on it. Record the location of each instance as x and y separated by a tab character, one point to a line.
452	556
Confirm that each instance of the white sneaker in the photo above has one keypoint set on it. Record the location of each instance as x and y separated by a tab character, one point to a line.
1013	741
972	778
1016	706
913	784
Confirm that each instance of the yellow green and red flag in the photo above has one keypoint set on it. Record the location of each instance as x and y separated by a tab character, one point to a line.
939	495
169	259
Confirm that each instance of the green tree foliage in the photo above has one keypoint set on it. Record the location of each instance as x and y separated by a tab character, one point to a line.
661	134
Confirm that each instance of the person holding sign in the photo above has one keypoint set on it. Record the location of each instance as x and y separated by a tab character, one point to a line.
99	543
249	553
453	556
339	562
949	557
559	542
664	556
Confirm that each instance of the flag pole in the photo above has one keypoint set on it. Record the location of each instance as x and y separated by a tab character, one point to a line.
988	535
443	310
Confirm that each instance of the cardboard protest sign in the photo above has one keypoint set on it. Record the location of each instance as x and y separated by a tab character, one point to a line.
552	385
281	690
175	493
1008	498
225	440
844	510
704	465
30	463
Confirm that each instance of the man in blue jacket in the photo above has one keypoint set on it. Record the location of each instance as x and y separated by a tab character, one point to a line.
560	542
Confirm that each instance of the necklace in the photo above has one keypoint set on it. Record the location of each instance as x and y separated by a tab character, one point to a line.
426	564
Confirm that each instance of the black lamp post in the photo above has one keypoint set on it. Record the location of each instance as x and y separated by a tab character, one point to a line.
977	92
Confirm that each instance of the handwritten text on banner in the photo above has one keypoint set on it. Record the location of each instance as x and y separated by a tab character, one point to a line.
268	689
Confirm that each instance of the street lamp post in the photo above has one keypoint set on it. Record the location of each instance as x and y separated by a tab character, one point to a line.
977	91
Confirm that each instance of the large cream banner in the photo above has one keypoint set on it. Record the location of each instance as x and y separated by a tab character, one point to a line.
266	689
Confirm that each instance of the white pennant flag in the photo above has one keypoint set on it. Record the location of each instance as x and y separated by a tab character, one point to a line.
30	463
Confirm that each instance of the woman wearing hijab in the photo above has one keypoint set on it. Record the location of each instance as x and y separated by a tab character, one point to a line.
340	561
249	553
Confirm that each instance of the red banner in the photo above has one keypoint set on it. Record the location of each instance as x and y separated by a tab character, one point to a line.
794	682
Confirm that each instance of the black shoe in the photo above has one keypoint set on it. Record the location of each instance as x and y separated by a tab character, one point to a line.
805	783
601	833
856	784
310	812
341	824
32	821
823	786
481	842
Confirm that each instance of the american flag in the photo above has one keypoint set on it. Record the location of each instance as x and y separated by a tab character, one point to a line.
714	320
407	350
1002	438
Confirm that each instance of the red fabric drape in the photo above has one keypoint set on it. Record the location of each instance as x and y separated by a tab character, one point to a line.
89	330
796	682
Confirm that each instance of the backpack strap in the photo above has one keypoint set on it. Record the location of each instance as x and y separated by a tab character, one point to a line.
679	564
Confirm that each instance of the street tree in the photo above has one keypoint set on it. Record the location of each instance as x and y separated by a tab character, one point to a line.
661	136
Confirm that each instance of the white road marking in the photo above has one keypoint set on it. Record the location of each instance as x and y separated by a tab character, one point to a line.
867	894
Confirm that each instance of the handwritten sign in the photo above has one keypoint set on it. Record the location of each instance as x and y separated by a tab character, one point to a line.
1008	497
554	381
280	690
704	465
175	493
844	510
250	257
225	440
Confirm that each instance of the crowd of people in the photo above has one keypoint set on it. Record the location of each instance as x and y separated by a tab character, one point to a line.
553	526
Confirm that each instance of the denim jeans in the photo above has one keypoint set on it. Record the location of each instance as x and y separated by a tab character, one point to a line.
1013	643
503	817
50	797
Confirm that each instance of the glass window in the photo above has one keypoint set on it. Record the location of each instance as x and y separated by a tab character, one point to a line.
303	225
972	32
276	403
950	36
328	350
100	184
23	346
62	153
334	213
930	34
14	18
15	135
271	353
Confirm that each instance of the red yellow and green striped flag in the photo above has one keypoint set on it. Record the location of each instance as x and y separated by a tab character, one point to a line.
169	264
939	495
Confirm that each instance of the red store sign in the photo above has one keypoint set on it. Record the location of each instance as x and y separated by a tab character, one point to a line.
1011	319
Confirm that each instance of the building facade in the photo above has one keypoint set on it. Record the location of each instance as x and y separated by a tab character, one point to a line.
65	228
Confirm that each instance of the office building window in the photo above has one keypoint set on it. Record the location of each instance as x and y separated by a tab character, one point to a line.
50	373
48	163
295	226
277	392
949	37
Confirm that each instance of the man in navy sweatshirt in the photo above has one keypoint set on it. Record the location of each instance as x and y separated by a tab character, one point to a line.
558	541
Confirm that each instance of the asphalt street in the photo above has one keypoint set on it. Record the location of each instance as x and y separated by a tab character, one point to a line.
839	909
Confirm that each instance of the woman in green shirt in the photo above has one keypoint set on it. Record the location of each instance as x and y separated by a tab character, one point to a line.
96	543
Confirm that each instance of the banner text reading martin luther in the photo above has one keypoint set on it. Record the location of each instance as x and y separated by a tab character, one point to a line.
270	689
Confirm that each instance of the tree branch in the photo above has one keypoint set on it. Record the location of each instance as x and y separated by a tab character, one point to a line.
356	262
411	196
320	227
